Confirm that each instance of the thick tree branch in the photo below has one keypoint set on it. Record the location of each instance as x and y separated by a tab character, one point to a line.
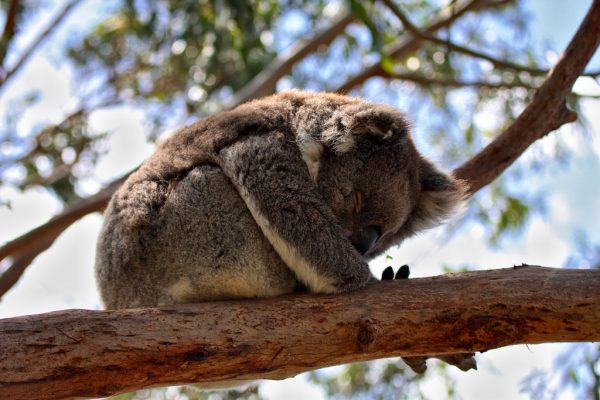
80	353
546	112
38	40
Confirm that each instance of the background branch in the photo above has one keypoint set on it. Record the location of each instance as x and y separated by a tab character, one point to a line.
25	248
80	353
407	45
55	22
452	82
546	112
264	83
8	32
424	35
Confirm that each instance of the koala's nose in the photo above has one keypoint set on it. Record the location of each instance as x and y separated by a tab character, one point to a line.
365	239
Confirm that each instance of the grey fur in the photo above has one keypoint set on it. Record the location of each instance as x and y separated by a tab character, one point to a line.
259	200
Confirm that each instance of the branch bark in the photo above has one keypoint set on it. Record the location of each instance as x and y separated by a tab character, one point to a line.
82	353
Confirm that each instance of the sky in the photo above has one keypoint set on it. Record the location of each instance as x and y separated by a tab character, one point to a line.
63	277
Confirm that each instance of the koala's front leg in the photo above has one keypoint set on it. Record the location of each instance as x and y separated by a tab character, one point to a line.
271	177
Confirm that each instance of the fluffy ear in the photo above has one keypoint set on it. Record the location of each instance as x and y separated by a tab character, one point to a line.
441	197
380	122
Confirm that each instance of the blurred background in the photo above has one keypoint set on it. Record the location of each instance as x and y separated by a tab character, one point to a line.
87	87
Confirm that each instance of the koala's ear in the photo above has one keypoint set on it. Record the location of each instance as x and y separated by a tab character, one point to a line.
441	196
380	122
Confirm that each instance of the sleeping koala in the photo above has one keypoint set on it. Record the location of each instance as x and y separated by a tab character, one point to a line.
296	190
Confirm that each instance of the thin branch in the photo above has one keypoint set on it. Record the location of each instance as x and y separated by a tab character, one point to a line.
424	35
546	112
264	83
82	353
38	40
407	45
8	32
452	82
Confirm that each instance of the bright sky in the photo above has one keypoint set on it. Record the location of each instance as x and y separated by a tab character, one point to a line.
63	276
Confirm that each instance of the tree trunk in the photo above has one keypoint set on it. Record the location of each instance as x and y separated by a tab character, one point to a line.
82	353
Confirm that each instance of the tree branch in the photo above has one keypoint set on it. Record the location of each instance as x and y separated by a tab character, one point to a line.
264	83
453	82
8	32
424	35
37	41
546	112
408	45
25	248
80	353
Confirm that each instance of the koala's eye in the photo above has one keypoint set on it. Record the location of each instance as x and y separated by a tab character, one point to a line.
358	200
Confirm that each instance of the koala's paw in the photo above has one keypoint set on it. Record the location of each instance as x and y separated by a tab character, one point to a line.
463	361
388	273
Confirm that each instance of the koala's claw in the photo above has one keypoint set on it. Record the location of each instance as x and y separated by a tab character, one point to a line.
388	273
403	272
463	361
417	364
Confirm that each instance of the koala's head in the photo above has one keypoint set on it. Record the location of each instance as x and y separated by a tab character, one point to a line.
376	182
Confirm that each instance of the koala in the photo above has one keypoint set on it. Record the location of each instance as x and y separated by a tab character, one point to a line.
296	191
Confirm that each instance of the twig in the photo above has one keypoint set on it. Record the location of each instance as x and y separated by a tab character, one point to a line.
38	40
452	82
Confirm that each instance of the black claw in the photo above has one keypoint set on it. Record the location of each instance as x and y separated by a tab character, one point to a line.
387	274
403	272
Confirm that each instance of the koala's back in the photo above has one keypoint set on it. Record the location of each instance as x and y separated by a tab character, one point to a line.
197	241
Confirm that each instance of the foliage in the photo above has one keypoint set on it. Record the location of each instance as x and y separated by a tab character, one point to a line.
382	379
